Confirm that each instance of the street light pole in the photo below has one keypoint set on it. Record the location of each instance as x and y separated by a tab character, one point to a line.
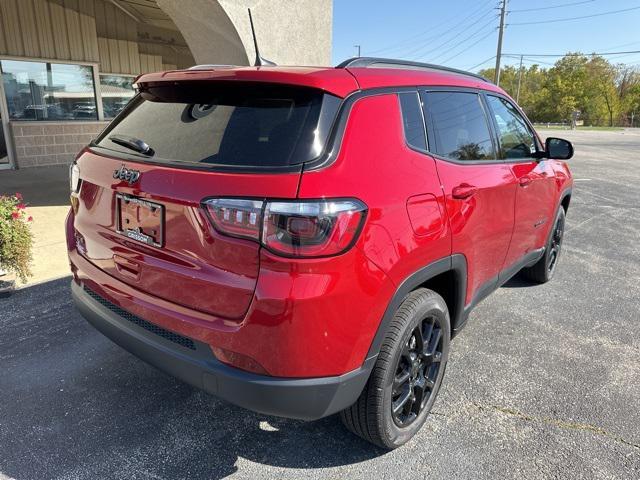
503	11
358	47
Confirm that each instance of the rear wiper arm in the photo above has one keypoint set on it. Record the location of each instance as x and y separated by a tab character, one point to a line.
133	143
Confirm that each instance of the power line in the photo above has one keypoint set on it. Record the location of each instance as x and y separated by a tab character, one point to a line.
602	54
556	20
469	37
454	37
620	56
540	62
481	63
531	60
453	30
527	56
623	45
412	38
551	6
421	33
470	46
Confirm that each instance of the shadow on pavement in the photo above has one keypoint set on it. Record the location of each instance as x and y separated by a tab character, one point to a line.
40	187
75	405
518	281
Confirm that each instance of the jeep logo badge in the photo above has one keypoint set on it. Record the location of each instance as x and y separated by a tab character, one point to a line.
128	175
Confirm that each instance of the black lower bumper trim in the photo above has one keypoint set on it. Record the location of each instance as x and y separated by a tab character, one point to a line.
305	399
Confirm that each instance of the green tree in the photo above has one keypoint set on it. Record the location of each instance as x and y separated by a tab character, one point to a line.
631	105
601	86
629	93
604	93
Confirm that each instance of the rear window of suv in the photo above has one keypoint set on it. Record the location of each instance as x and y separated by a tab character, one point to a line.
245	125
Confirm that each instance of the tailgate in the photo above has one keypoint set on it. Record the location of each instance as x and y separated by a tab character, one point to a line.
142	183
186	261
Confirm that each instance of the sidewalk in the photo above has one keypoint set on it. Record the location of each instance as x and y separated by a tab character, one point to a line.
46	191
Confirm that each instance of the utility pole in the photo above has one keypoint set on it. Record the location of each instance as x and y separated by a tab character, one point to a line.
503	11
358	47
519	80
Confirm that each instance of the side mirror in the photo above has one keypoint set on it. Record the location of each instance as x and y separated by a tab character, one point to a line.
558	148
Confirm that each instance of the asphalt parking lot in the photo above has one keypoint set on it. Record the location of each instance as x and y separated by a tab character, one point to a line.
543	383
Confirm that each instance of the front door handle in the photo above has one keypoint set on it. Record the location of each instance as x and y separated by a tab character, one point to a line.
525	180
464	190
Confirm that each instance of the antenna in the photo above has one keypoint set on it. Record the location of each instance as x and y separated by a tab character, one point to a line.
259	60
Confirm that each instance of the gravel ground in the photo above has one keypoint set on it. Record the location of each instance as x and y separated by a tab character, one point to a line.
543	383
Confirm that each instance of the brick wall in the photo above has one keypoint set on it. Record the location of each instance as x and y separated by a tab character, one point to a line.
48	143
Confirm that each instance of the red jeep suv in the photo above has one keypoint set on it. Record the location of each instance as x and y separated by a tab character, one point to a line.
304	241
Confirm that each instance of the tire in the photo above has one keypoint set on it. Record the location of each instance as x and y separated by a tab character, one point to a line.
403	354
544	269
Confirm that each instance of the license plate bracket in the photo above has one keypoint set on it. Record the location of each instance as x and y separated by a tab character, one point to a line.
140	220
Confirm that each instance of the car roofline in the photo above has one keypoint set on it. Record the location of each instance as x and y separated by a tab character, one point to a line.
378	62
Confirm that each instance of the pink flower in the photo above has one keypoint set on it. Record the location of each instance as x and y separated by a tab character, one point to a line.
18	195
15	215
30	219
21	206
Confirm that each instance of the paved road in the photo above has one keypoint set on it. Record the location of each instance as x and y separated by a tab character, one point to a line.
543	383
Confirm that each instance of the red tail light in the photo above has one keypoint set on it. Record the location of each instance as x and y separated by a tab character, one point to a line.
315	228
311	229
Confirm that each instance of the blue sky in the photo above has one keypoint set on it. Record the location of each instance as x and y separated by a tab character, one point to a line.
463	33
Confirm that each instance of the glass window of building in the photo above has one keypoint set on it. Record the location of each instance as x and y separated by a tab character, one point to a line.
48	91
116	91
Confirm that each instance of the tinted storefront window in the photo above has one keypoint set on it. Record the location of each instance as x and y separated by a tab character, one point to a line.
48	91
116	91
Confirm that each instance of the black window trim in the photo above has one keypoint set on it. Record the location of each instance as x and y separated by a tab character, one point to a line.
431	131
494	123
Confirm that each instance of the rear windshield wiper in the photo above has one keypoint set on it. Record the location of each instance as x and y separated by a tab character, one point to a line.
133	143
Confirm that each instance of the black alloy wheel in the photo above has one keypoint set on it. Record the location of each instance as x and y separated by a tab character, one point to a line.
555	244
405	380
416	372
543	270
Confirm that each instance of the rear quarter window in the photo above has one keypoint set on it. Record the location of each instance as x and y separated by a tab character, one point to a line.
226	125
412	123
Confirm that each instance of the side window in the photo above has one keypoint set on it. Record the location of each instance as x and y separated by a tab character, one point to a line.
459	125
516	138
412	121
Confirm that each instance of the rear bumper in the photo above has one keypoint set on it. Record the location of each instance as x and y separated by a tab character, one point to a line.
193	362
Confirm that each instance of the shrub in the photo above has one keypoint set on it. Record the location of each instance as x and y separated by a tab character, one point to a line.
16	238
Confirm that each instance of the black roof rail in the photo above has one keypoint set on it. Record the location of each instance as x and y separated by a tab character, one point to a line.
365	62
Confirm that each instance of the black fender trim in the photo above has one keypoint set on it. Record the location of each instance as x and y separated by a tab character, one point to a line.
566	193
457	264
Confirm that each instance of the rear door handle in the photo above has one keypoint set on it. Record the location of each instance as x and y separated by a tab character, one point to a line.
464	190
525	180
